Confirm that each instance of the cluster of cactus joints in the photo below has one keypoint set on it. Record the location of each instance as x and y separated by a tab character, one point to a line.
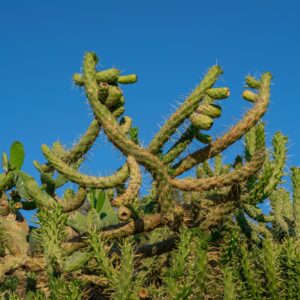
80	232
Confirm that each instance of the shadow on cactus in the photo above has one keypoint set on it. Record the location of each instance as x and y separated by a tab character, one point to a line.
200	237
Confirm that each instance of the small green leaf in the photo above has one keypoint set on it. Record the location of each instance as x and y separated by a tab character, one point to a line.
17	156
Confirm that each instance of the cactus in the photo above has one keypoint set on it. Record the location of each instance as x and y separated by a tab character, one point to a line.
201	237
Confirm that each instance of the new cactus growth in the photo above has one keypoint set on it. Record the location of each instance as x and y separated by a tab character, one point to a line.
201	237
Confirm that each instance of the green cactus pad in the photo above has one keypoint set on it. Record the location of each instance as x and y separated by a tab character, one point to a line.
17	156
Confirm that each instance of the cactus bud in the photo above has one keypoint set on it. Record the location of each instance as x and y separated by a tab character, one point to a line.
114	96
249	96
201	121
252	82
78	79
210	110
218	93
127	79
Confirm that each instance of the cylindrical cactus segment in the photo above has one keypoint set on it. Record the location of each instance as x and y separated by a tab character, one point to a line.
109	76
201	121
249	96
114	96
78	79
83	180
73	201
252	82
127	79
236	132
218	93
185	110
210	110
134	185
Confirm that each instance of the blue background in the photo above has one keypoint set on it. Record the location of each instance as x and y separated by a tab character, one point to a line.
169	44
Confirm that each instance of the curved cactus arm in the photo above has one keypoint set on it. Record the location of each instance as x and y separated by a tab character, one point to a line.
82	179
75	202
185	110
134	186
84	144
235	133
110	125
42	199
81	147
234	177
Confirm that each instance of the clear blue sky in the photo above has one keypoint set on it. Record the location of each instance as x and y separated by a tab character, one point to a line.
169	44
